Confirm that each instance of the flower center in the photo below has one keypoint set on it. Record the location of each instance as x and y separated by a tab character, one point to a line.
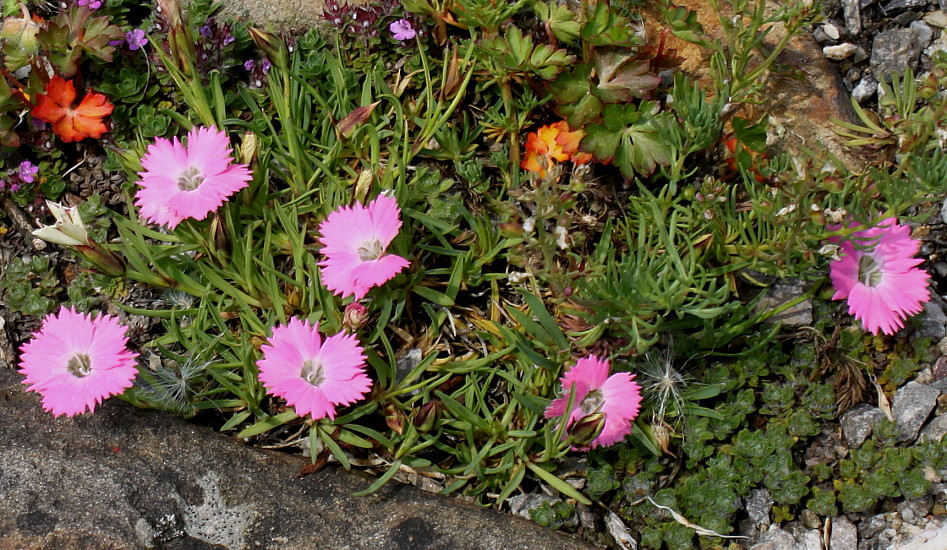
80	365
190	180
313	372
371	250
869	271
592	402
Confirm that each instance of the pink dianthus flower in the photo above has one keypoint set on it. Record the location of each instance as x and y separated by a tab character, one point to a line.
311	374
354	241
615	398
191	181
74	361
877	273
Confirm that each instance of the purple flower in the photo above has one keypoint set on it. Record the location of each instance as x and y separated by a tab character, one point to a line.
206	31
14	187
402	30
91	4
265	65
249	64
229	39
27	171
135	39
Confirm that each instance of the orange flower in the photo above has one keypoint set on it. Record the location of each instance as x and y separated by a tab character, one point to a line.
553	142
731	144
72	124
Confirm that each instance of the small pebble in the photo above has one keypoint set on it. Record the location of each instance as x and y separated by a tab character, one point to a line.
865	89
935	18
904	4
821	37
907	514
860	55
853	16
840	52
832	31
924	32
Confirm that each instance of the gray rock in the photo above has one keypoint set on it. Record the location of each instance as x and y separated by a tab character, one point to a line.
125	478
936	18
903	5
794	537
810	540
912	405
914	510
872	526
933	320
281	14
865	88
858	422
520	505
805	538
938	45
896	50
619	532
853	16
775	539
823	37
810	519
782	292
860	55
844	534
924	33
935	429
932	538
758	507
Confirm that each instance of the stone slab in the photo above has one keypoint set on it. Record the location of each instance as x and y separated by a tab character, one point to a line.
126	478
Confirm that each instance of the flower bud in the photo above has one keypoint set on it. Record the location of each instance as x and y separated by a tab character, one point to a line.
21	32
394	417
219	234
271	45
354	317
105	260
249	148
585	430
424	417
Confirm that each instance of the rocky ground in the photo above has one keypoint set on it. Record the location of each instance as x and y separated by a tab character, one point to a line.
866	40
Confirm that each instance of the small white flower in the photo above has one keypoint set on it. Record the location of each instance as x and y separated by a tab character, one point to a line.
786	210
562	237
830	250
68	229
836	216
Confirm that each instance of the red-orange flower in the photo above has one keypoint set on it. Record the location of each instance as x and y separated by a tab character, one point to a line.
72	123
553	142
730	141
